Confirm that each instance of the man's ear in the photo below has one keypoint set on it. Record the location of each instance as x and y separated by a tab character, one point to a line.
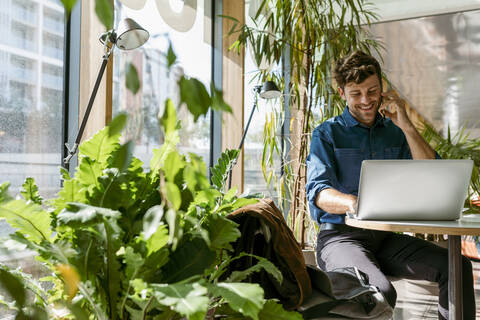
341	92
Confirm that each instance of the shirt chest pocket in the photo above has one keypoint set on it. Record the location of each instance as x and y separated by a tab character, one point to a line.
392	153
349	162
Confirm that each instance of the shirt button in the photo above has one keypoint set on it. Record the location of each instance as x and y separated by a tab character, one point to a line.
374	154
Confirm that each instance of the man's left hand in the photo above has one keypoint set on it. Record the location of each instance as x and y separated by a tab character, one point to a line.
393	107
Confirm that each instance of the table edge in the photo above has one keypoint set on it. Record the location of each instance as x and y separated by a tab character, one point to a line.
399	227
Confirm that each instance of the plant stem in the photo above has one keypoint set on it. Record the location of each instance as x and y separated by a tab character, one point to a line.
99	314
85	263
107	188
145	310
306	108
126	293
107	272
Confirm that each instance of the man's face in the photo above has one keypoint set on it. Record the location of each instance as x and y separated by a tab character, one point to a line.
363	99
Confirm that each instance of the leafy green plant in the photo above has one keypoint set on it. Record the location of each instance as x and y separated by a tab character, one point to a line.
123	243
310	36
225	163
458	146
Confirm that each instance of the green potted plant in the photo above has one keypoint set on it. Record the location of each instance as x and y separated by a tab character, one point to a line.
122	243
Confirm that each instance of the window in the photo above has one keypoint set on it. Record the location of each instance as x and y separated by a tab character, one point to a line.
254	180
23	36
52	21
30	99
52	45
24	11
442	54
190	34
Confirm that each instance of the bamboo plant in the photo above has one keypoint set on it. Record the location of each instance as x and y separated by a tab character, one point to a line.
309	36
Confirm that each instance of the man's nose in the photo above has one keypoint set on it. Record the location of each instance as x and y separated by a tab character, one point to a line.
364	99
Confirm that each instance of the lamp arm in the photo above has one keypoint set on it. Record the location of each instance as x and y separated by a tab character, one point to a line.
73	150
243	139
248	125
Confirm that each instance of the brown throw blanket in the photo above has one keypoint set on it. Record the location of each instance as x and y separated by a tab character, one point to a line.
265	234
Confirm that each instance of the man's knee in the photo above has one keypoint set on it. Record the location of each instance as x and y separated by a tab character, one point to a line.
443	274
440	268
466	268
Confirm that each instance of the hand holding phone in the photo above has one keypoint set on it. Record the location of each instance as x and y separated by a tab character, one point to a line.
393	107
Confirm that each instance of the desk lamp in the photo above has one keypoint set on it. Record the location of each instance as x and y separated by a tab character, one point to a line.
268	90
128	36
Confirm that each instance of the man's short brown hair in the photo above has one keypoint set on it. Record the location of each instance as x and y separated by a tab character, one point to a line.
356	67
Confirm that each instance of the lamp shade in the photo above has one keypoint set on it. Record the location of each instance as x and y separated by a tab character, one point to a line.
130	35
270	90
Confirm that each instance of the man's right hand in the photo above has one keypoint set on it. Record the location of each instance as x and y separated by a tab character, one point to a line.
353	204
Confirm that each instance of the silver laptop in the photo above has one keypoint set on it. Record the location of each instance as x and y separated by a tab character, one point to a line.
413	189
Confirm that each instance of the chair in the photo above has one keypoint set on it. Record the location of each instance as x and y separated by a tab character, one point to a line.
340	294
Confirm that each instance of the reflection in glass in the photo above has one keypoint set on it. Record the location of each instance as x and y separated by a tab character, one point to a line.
158	83
267	111
434	62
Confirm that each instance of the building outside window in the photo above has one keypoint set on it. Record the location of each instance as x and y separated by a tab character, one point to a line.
31	97
191	37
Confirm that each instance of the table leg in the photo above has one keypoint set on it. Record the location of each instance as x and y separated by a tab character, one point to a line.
454	278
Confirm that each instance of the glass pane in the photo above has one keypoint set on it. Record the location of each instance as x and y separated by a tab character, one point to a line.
31	82
31	78
188	28
441	82
267	111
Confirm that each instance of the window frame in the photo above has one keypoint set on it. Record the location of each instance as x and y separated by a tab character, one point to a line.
85	55
71	83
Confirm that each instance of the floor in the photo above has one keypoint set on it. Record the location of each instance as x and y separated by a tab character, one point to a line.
418	300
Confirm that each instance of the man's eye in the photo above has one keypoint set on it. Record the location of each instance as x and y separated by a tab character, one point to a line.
355	94
372	92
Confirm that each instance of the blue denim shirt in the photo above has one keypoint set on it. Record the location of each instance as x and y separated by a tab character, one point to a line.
338	147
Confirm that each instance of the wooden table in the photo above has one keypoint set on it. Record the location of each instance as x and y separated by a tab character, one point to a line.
467	225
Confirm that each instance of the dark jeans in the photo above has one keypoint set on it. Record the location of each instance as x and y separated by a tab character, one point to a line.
380	253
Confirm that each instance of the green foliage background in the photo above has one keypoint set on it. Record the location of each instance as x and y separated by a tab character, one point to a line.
123	243
306	37
458	146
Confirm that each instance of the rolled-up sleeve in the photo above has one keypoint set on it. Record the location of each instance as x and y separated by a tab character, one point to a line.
321	169
405	152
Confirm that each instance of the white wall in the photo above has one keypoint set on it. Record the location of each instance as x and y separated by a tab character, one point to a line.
403	9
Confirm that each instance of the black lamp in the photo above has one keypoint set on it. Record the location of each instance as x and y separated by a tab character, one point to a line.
268	90
128	36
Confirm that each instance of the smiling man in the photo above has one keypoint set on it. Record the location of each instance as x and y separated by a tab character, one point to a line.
374	125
